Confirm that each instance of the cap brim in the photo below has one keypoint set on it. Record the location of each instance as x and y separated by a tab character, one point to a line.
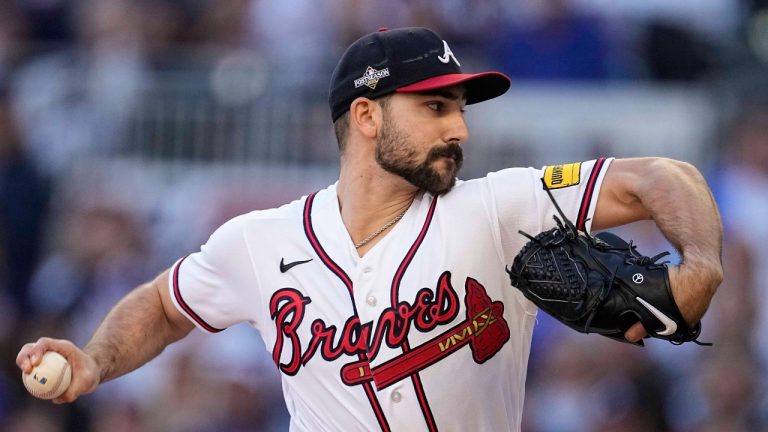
480	86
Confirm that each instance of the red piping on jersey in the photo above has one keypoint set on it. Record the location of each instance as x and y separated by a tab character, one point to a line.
586	200
411	252
395	291
309	231
185	306
345	279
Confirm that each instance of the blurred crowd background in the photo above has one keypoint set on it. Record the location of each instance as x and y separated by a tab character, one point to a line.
130	129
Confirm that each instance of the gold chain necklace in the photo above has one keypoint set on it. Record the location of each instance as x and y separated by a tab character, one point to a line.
362	243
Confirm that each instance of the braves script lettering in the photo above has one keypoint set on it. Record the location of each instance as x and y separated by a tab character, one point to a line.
288	306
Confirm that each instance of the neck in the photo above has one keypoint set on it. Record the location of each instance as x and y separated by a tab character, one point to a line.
369	197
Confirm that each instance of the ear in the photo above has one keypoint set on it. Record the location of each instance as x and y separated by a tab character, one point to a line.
365	115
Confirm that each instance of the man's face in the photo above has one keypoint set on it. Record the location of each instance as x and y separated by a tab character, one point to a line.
420	138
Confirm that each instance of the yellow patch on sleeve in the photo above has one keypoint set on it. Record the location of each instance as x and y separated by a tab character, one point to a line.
560	176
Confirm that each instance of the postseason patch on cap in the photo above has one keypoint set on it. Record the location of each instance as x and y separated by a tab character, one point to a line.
371	77
560	176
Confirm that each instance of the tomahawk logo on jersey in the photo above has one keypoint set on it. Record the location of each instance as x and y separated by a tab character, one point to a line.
423	326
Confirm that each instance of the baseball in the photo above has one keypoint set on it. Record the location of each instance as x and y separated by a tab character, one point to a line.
50	378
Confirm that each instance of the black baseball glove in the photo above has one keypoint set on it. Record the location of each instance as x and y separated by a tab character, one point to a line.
598	284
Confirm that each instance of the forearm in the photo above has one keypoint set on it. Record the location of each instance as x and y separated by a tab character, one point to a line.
135	331
677	198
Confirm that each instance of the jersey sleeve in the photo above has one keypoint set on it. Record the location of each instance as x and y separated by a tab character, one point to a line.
522	202
214	286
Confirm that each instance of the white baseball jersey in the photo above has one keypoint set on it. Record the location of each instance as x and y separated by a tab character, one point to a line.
424	332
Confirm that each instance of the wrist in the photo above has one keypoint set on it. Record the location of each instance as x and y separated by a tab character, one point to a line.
99	360
693	284
706	271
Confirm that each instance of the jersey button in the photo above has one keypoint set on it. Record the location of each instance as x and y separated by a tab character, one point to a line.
396	396
371	300
367	271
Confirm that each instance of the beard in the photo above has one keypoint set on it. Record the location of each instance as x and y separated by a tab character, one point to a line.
395	155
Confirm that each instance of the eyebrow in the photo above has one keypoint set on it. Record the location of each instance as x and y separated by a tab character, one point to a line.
448	94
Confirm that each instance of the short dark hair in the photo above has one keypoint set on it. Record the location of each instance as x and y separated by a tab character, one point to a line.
341	125
341	129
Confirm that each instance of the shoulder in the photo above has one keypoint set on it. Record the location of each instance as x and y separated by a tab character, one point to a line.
517	180
482	196
262	223
508	175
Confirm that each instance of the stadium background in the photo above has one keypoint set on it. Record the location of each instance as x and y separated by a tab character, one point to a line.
130	129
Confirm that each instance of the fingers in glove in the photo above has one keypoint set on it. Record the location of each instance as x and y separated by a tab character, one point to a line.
635	333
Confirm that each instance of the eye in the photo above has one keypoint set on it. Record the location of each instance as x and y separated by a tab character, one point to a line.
435	106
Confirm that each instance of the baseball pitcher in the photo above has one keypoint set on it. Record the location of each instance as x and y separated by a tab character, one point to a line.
385	299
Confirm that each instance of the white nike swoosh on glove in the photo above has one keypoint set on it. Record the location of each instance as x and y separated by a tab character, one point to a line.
669	324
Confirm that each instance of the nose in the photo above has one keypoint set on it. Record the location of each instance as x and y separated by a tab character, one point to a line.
457	131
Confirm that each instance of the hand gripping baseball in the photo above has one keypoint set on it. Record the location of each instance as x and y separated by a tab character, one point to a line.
85	370
598	284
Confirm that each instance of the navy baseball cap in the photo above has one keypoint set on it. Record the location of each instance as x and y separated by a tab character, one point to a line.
409	59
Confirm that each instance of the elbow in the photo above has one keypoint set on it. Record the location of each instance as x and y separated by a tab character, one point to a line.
668	178
672	169
647	175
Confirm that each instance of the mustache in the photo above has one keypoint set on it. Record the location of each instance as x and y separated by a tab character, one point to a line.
451	150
